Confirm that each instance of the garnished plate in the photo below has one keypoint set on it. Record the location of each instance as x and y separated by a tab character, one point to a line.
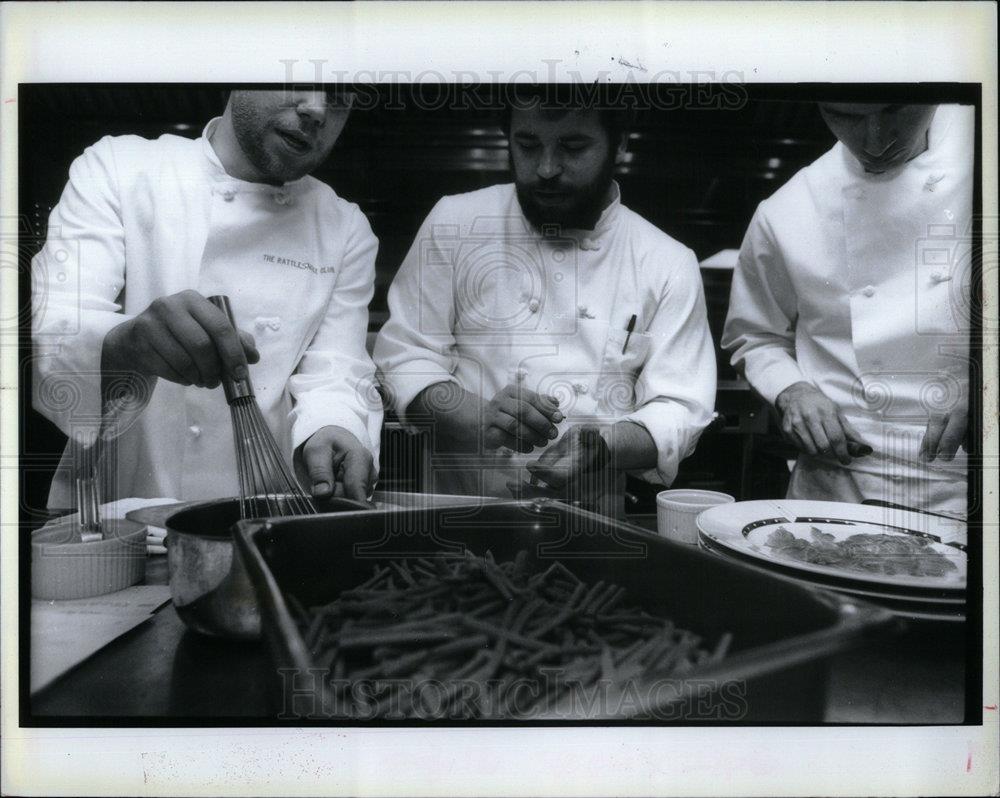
853	542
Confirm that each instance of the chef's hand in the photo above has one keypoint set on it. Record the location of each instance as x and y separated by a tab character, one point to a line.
944	434
183	338
520	419
814	424
333	462
577	467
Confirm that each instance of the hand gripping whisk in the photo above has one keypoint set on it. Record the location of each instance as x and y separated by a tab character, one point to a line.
267	487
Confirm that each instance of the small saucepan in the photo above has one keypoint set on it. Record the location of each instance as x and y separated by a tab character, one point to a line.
210	588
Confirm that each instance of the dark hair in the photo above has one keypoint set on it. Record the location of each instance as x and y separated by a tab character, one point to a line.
615	116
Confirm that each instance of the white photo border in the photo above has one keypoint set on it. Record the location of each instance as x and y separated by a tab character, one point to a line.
260	42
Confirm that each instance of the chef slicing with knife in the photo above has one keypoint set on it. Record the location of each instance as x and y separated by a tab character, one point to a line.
552	338
144	232
850	307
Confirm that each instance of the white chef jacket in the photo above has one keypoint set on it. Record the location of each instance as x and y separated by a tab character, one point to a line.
142	219
483	299
859	284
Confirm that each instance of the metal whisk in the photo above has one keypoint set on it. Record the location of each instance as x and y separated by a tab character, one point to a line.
87	501
267	487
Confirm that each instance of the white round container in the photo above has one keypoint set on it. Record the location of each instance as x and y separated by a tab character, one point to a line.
677	512
64	567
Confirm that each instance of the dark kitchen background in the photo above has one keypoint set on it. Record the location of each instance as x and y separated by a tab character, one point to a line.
699	163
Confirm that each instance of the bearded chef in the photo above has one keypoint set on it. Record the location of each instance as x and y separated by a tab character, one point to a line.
550	337
128	348
850	307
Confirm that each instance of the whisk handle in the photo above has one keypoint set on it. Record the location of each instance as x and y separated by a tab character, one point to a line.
233	388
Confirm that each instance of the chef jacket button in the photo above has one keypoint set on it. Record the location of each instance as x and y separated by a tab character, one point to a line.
228	195
281	197
533	306
868	290
580	388
274	324
195	431
260	324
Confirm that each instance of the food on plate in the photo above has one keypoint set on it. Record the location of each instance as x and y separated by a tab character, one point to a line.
464	636
892	555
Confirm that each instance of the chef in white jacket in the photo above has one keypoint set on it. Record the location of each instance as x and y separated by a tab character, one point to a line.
127	346
548	334
850	307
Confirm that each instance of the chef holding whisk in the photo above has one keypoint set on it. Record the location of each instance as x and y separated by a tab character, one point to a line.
126	341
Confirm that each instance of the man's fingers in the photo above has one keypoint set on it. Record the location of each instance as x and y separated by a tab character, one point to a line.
356	470
952	437
224	336
798	432
814	427
548	406
495	437
520	419
179	366
529	416
249	346
855	441
512	427
837	439
372	483
555	473
197	345
319	462
932	436
521	440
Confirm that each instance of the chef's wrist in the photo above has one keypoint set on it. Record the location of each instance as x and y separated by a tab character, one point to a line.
455	414
632	447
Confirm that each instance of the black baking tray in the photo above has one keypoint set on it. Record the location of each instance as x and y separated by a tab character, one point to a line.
784	635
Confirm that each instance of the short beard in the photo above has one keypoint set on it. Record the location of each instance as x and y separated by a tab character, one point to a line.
250	130
579	215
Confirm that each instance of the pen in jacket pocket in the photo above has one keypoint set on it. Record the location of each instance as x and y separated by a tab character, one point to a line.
628	332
